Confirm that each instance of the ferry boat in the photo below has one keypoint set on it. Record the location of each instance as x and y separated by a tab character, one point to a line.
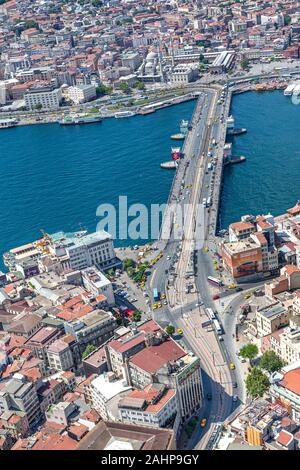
184	128
78	119
231	130
7	123
289	89
123	114
176	153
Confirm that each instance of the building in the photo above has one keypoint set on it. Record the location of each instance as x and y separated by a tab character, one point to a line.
80	250
60	412
271	318
41	340
240	230
285	388
154	406
223	62
184	73
81	94
119	436
18	394
46	97
95	281
95	328
242	258
132	60
60	356
104	389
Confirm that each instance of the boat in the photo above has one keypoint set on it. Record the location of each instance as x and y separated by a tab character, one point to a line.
289	89
7	123
234	159
231	130
176	153
184	128
296	90
123	114
173	164
80	119
238	131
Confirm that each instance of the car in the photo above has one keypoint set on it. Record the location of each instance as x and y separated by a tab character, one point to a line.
163	295
154	306
234	385
216	297
165	302
247	296
159	304
239	289
179	331
220	338
203	423
168	257
209	396
232	286
231	366
235	398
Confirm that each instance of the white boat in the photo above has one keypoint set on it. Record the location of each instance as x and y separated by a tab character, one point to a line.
289	89
123	114
230	122
6	123
296	90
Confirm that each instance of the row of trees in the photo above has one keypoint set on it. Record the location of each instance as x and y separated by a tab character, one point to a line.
257	382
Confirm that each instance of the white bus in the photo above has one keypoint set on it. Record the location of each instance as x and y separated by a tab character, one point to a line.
210	313
217	326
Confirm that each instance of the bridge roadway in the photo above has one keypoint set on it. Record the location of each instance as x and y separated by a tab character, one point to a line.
183	310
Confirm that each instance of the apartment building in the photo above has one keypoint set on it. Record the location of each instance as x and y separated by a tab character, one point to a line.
47	97
60	356
41	340
81	93
285	387
95	281
271	318
95	328
81	250
19	394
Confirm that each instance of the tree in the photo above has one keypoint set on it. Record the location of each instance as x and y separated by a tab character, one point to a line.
102	90
124	87
38	106
136	316
170	330
139	85
88	350
128	263
257	383
249	351
244	63
287	19
28	24
97	3
270	362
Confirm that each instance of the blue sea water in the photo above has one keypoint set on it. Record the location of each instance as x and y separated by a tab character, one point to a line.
54	177
269	181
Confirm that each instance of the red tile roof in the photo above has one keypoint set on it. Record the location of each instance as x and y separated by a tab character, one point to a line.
154	357
291	381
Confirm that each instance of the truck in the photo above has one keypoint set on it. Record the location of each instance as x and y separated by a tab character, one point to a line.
155	294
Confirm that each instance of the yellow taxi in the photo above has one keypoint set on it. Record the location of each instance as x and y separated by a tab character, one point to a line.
206	249
231	366
163	295
203	423
158	304
154	306
215	261
232	286
247	296
179	331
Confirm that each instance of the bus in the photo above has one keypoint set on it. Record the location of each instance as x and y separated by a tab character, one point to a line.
214	281
210	314
155	294
217	326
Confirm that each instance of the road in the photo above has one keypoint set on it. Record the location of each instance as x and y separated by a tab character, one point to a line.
183	311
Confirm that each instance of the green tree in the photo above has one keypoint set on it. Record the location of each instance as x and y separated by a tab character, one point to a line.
97	3
28	24
110	273
88	350
124	87
103	89
139	85
287	19
257	383
249	351
271	362
170	330
136	316
128	263
38	106
244	63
